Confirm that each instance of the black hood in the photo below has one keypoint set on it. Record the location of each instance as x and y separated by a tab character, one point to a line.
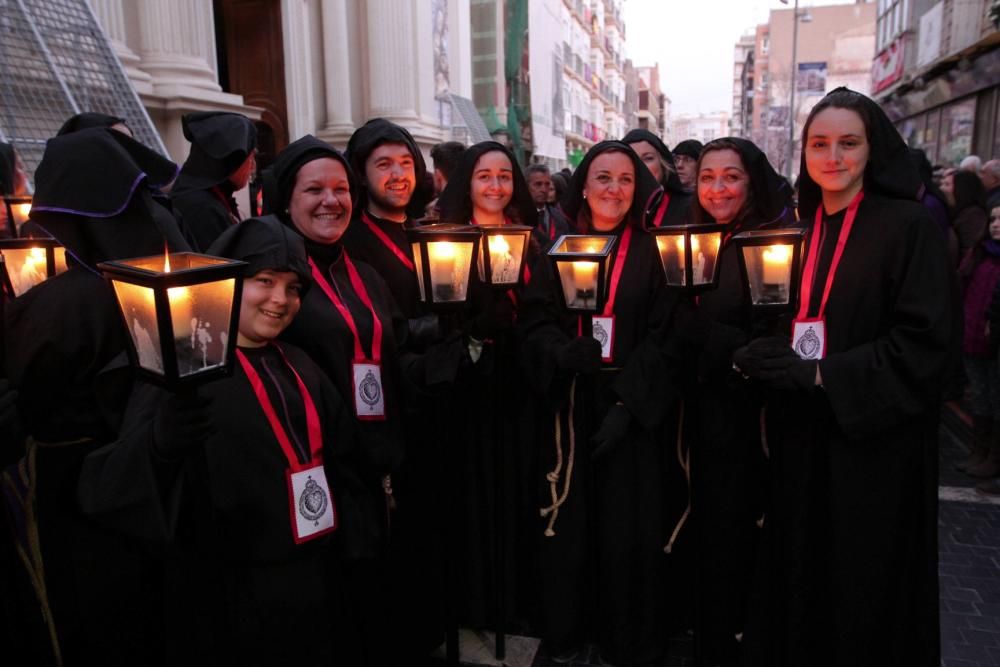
220	143
647	191
264	243
370	136
673	183
890	171
770	192
7	166
93	193
690	148
87	120
455	202
280	180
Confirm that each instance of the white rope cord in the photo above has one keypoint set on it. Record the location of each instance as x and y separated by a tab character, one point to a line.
552	511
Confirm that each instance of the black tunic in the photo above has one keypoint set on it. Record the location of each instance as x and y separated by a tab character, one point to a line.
849	574
238	589
364	245
203	214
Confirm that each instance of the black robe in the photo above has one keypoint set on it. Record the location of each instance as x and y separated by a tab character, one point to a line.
238	591
203	213
604	571
849	559
365	246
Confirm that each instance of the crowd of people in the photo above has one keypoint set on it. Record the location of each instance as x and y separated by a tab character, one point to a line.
374	473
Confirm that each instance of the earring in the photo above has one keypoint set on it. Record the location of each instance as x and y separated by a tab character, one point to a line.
584	194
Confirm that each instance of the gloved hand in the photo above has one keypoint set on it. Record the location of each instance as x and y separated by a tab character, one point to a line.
775	363
423	331
613	430
9	421
495	318
182	423
580	355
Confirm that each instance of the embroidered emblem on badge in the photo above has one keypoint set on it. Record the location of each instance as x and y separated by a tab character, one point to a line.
370	391
600	334
312	502
809	344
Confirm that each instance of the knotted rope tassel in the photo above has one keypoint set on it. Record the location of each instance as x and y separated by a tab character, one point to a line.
552	511
684	458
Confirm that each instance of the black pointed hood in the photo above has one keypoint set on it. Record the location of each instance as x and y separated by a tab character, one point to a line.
281	178
890	171
87	120
673	183
770	193
264	243
455	202
690	148
370	136
220	143
647	191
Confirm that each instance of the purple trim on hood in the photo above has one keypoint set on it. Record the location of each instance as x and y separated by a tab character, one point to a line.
159	186
71	253
91	214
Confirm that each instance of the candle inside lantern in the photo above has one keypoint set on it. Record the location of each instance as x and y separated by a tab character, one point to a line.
21	212
503	269
777	264
181	308
33	270
443	259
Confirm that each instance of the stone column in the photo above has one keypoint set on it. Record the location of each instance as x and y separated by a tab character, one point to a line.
338	57
177	43
111	15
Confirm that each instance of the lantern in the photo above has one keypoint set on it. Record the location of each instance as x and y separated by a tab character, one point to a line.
690	255
17	210
443	255
181	312
581	262
504	249
770	261
28	262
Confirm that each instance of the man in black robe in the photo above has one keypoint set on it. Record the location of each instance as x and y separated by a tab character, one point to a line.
220	163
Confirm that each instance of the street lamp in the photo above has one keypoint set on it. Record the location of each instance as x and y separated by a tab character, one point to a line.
805	17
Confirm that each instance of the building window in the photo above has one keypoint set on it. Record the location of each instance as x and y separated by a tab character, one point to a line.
891	21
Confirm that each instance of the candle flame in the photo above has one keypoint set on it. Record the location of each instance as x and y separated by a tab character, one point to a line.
499	245
777	254
442	250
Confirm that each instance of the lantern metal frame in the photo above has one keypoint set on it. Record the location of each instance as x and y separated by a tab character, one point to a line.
441	232
502	230
793	236
686	232
48	244
602	259
9	202
161	281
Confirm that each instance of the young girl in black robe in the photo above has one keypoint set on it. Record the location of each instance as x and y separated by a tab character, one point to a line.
850	541
244	480
610	492
676	201
735	187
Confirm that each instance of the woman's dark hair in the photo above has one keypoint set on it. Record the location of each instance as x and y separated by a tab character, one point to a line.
455	202
969	191
559	184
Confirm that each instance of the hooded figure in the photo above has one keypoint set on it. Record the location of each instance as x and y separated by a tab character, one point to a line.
609	489
89	119
850	538
8	166
65	354
219	164
676	200
209	474
723	411
455	204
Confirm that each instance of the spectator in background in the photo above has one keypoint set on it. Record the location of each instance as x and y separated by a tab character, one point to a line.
444	156
971	163
686	155
935	201
13	181
551	222
560	182
990	176
967	198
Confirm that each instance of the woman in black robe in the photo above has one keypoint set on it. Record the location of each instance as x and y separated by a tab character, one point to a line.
210	475
221	162
609	487
65	354
495	471
676	201
735	187
850	542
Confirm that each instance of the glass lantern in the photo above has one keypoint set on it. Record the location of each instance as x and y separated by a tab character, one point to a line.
28	262
689	255
443	255
181	312
581	262
17	210
504	249
771	263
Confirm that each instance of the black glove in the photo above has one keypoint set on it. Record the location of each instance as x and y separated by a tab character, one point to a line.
495	318
182	423
613	430
775	363
9	421
580	355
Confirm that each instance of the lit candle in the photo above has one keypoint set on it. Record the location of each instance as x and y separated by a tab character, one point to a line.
181	308
442	256
21	212
777	264
33	271
502	265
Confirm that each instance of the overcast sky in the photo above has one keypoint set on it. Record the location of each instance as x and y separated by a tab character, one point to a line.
693	42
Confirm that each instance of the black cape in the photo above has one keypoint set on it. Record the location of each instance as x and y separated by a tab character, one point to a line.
87	120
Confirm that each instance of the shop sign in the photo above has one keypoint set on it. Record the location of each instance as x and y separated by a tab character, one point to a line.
887	67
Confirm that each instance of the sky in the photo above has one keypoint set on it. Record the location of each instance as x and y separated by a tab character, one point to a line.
693	40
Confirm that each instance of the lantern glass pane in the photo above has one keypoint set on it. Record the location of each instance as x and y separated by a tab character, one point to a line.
769	271
704	254
139	307
450	264
587	244
200	315
61	264
177	262
21	212
579	283
505	251
26	267
671	248
418	267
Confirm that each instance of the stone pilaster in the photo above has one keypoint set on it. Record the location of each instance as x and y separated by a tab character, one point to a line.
111	15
